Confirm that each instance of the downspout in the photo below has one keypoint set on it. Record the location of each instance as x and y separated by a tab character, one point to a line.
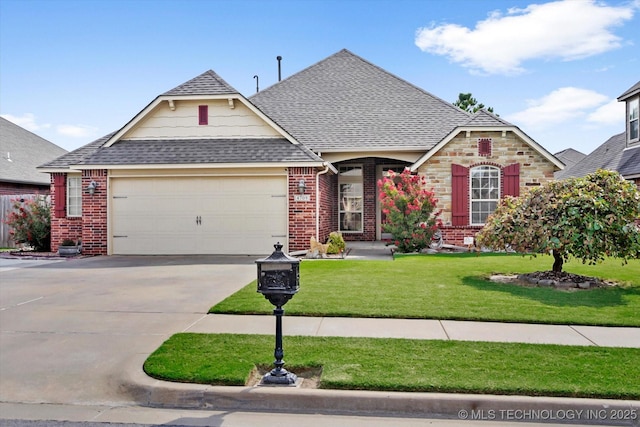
326	169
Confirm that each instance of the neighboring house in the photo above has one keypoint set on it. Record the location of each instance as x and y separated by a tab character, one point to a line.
569	157
202	169
619	153
22	152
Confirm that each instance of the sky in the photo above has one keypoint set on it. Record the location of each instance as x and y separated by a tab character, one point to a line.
72	71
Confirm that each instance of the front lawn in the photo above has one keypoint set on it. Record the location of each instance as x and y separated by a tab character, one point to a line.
407	365
452	286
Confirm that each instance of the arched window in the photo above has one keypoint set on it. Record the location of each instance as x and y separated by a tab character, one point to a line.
485	192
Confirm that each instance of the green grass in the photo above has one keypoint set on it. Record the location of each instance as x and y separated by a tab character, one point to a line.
452	286
408	365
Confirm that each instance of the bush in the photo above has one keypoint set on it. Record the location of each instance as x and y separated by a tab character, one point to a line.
336	243
30	223
410	212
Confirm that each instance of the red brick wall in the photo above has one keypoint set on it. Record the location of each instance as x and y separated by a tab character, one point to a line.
302	215
62	227
455	235
328	205
94	214
91	228
16	189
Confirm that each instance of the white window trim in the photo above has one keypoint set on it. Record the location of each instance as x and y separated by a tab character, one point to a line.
347	180
69	179
471	199
636	119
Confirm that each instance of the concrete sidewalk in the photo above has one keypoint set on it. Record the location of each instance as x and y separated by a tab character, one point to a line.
424	329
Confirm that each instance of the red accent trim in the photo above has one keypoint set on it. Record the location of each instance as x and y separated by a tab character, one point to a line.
511	180
459	195
60	192
203	114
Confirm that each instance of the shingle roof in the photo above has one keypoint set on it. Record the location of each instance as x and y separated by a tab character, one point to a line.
76	156
630	162
606	156
199	151
633	90
485	118
345	102
570	157
207	83
26	151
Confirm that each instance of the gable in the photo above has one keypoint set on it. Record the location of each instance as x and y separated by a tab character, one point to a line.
227	119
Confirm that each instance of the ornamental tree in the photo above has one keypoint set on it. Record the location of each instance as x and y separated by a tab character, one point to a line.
409	208
587	218
30	223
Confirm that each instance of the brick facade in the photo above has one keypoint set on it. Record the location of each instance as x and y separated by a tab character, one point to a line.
302	214
17	189
91	227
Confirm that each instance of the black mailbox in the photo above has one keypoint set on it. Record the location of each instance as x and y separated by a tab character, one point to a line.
278	276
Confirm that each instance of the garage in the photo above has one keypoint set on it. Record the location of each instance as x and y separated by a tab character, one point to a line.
197	215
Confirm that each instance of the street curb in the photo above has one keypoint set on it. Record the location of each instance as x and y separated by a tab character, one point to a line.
147	391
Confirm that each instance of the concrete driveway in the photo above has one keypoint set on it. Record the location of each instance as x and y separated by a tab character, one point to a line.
69	329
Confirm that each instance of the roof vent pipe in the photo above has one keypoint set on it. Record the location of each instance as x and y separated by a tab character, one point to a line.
279	58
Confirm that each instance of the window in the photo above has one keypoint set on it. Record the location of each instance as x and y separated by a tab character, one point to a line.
203	114
350	199
633	119
74	196
485	192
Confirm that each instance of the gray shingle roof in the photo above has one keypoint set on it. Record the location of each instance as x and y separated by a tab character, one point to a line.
633	90
26	151
344	102
485	118
630	162
607	156
570	157
200	151
77	156
207	83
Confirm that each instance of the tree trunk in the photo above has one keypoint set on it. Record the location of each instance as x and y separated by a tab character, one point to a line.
558	260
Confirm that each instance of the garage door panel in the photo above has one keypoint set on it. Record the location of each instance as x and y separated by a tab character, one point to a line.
239	215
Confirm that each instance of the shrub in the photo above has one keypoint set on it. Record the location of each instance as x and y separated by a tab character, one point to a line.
336	243
30	223
410	212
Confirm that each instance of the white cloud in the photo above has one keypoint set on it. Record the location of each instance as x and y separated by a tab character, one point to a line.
76	131
27	121
566	29
611	113
559	106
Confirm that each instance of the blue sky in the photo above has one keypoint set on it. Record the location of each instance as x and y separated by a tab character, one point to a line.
72	71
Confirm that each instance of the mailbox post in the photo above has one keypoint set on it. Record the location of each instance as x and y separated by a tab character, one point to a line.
278	281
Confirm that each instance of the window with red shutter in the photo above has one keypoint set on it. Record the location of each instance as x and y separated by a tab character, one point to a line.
459	195
511	180
203	114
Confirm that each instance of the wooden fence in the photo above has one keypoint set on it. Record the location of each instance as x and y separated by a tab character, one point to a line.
6	206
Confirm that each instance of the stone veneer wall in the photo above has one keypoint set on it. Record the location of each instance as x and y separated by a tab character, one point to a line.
463	150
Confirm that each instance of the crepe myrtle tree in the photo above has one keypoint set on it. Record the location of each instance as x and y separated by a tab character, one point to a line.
587	218
409	209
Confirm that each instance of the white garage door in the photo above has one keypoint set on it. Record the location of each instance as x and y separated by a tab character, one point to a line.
204	215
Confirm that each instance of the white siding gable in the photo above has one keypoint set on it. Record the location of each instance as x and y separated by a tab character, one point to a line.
163	122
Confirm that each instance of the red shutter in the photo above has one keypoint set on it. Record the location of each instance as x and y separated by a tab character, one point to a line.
60	189
459	195
511	180
203	114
